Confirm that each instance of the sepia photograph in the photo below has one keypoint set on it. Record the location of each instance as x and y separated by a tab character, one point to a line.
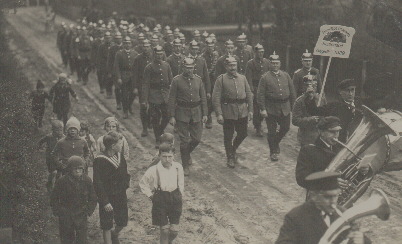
200	121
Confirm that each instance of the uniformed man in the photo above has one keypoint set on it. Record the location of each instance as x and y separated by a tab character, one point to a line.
202	43
211	57
307	69
346	108
185	49
98	39
101	65
139	46
275	96
116	46
255	68
74	52
187	110
67	44
84	45
176	33
124	67
176	58
155	41
220	63
243	54
168	46
140	62
155	91
307	223
233	104
61	35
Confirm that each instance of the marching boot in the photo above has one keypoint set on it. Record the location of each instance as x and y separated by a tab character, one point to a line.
208	125
258	132
272	148
144	132
125	116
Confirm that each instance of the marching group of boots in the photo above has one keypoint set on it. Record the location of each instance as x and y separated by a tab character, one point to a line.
184	83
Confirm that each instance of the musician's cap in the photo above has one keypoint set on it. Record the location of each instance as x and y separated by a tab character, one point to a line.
274	57
177	42
205	34
230	60
307	55
141	36
322	181
107	34
209	42
169	32
176	31
258	47
346	83
188	62
155	38
118	35
331	123
146	43
229	43
167	27
156	30
127	39
194	44
158	49
241	38
181	36
196	33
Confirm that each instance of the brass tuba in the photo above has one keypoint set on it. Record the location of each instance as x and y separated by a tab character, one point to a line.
377	204
362	147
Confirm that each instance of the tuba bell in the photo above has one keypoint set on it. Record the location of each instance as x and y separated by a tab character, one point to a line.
362	147
377	204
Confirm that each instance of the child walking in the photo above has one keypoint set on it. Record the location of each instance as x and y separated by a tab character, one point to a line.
39	97
163	183
167	138
50	140
73	200
85	134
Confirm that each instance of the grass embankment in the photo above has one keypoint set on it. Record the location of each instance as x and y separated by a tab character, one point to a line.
20	169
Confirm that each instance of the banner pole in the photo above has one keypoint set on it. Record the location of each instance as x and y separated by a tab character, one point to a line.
325	80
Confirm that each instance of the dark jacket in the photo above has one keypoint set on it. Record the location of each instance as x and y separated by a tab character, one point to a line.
60	96
72	197
109	180
313	158
305	225
157	79
175	61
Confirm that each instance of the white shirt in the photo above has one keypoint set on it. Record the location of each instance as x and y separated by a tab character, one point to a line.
170	179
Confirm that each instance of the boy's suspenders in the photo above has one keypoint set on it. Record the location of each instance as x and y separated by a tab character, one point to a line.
158	179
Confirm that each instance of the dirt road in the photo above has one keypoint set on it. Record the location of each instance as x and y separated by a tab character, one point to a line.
244	205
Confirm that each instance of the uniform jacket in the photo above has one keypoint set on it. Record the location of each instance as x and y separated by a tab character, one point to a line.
168	47
188	90
301	118
66	42
59	40
67	147
73	46
220	65
211	57
157	80
313	158
101	58
140	62
244	56
124	65
72	197
109	180
175	61
276	93
201	70
111	57
350	117
60	97
84	45
298	79
228	87
254	71
94	50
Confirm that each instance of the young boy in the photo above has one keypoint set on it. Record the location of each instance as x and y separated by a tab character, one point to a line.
51	140
165	138
163	183
39	97
73	200
70	145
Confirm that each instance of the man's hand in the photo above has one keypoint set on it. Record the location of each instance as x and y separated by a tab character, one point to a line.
220	119
315	119
119	82
250	116
172	121
343	184
356	237
264	113
108	207
204	119
135	91
363	168
208	95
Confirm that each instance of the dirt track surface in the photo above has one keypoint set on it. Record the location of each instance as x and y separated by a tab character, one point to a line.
221	205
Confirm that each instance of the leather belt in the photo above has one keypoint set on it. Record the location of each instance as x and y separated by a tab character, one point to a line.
158	86
278	100
231	100
188	104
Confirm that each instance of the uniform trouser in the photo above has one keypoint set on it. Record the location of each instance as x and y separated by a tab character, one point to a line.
209	101
190	136
73	64
159	118
144	114
127	95
274	137
73	229
118	94
101	79
229	127
257	118
64	57
108	83
83	69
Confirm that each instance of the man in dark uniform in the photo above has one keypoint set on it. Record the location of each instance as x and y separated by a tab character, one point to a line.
168	46
139	46
347	109
98	39
124	63
116	46
255	68
233	104
307	223
140	62
67	44
220	63
243	54
307	69
276	96
176	58
84	45
101	65
211	57
155	91
61	35
74	51
187	110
